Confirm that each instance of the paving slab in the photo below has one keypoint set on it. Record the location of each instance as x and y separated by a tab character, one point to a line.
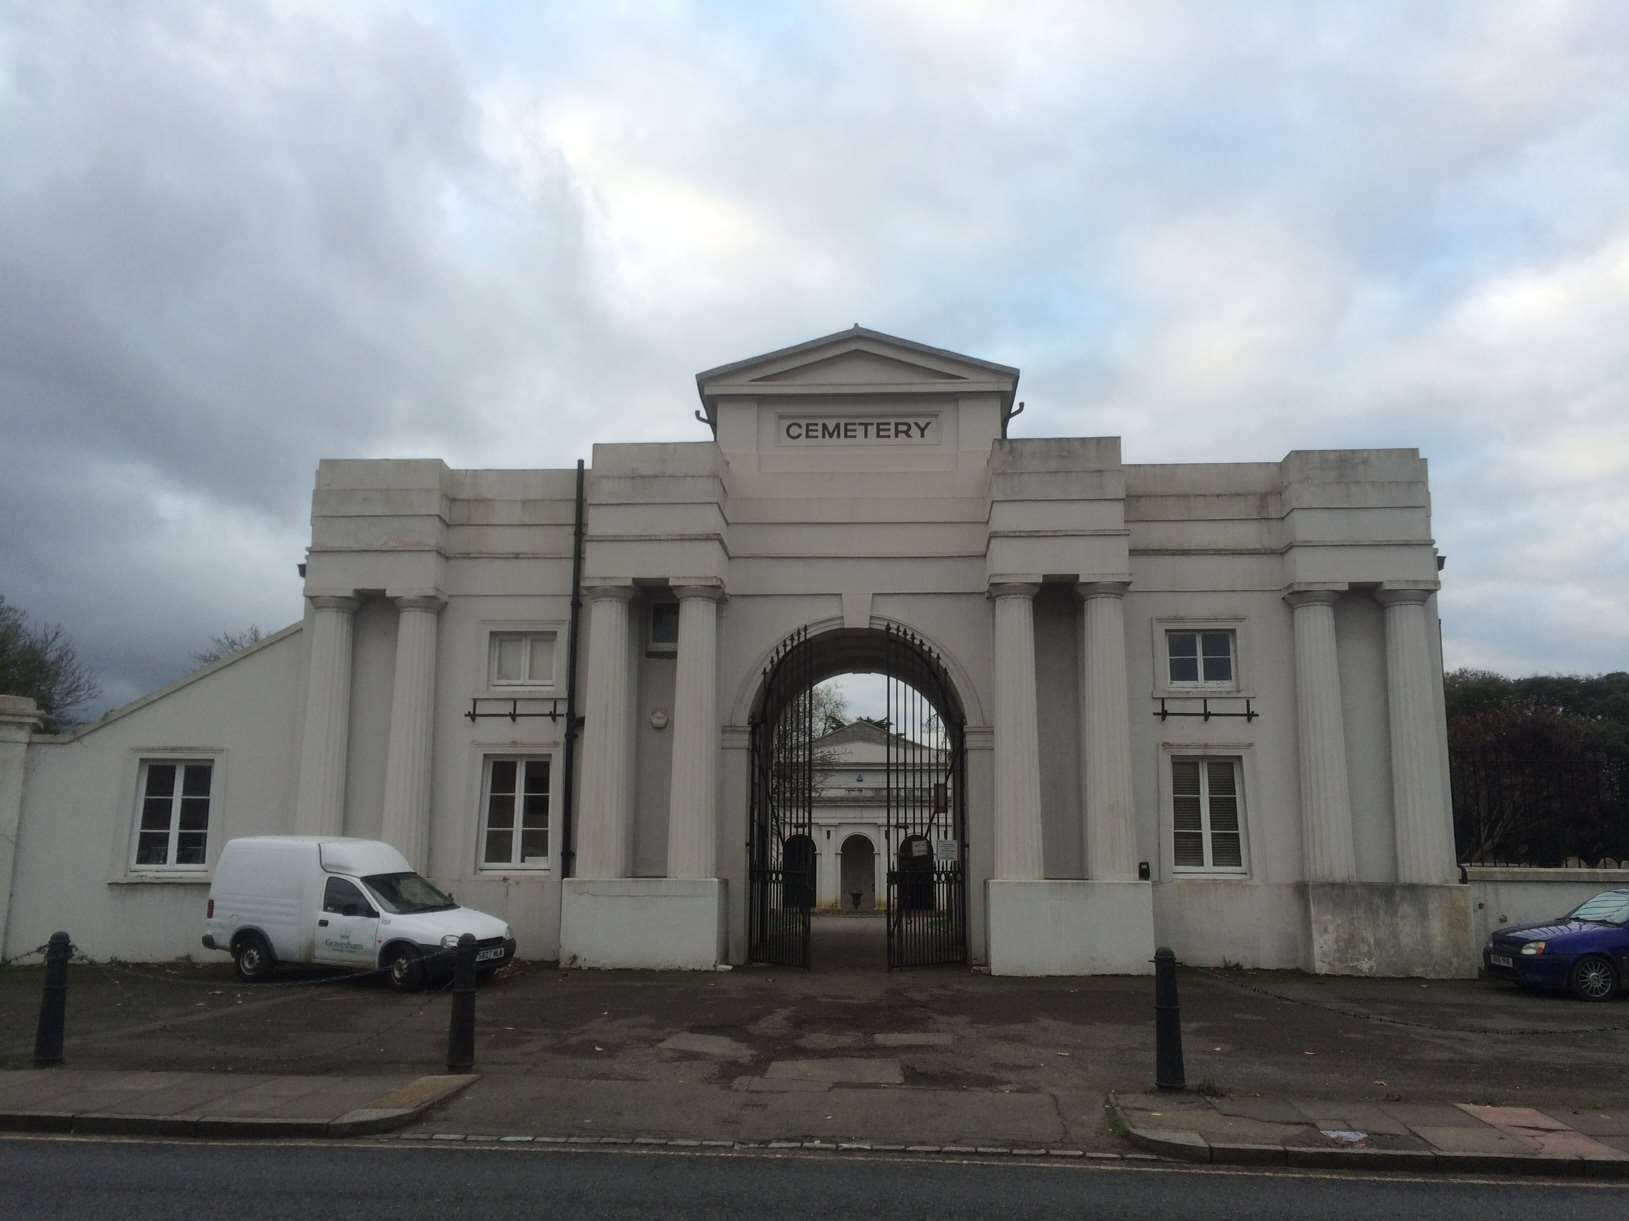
717	1045
1452	1139
838	1070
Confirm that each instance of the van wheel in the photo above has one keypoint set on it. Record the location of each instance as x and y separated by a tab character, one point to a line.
405	968
253	958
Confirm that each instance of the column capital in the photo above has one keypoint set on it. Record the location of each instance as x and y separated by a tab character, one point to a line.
1298	596
339	602
1014	588
1405	596
1101	589
712	591
609	593
420	602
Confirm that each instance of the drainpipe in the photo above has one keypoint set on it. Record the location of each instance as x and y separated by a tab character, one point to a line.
568	850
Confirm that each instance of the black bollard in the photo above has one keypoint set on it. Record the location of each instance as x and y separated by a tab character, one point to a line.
461	1029
1168	1074
53	1002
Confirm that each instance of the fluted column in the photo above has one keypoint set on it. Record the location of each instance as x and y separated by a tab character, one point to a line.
1326	800
1017	740
692	830
604	840
412	730
1425	832
324	747
1111	814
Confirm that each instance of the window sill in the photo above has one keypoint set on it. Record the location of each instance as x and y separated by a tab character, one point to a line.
491	872
1177	693
178	878
524	691
1207	875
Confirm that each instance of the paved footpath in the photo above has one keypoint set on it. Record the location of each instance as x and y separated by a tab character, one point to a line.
1353	1134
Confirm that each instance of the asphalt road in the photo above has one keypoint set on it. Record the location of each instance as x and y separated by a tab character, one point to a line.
140	1180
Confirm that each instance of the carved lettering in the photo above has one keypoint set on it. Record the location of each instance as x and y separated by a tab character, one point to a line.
806	431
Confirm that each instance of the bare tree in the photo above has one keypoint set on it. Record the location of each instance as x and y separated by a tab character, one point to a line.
228	643
40	662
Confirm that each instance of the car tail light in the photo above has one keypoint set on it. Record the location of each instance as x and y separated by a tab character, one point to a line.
210	913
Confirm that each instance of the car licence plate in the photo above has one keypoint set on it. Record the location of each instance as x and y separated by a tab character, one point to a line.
497	952
1501	960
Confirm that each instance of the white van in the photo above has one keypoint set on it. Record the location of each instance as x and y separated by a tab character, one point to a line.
343	902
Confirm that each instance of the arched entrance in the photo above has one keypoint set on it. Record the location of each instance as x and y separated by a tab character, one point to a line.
925	826
857	875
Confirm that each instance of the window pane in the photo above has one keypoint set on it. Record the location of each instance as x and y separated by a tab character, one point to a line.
540	668
535	811
160	779
155	814
500	811
499	847
1185	777
195	813
1216	644
195	780
1185	814
1189	850
1219	669
189	848
506	659
1225	852
1224	813
1184	669
503	775
153	849
1220	774
537	776
1183	644
534	845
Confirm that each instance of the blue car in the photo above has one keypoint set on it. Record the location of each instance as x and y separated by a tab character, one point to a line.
1587	950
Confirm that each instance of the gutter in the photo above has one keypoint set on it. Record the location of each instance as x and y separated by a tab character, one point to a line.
568	850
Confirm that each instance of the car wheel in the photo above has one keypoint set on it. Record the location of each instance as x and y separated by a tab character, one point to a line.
1593	979
405	968
252	957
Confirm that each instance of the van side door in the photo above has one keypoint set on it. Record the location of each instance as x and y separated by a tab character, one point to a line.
348	928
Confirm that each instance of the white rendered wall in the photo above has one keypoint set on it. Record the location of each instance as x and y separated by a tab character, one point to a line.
79	806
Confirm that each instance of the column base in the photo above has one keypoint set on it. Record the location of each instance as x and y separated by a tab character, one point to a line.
1390	929
1070	927
652	924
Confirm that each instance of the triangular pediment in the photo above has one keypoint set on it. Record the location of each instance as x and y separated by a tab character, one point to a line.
858	361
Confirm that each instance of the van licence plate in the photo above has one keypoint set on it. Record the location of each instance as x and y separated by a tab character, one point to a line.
497	952
1501	960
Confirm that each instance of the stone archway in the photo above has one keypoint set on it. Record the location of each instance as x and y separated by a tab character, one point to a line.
926	788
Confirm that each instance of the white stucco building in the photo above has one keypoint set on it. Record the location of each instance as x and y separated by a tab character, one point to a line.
1196	704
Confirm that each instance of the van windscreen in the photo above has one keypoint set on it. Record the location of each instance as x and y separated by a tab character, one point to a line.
405	894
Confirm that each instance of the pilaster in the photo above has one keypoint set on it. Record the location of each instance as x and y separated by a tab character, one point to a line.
1326	803
1017	741
1111	827
412	729
692	838
604	839
19	718
324	748
1425	836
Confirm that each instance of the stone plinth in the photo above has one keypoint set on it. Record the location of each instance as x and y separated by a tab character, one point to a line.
1070	927
1382	929
674	924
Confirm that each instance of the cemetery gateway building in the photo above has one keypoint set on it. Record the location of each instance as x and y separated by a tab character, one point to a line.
1196	705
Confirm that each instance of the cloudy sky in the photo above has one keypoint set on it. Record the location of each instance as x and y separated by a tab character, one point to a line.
236	238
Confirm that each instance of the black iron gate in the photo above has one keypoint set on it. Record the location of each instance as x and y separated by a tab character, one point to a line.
924	837
780	843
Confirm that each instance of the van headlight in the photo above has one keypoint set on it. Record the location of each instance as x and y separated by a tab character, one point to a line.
1534	947
449	941
508	933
